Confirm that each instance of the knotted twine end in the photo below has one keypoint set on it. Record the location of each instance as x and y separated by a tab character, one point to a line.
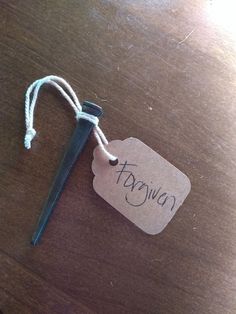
29	135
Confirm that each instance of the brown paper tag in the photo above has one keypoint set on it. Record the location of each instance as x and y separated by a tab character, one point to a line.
143	186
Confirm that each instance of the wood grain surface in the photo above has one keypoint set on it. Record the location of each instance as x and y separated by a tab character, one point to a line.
164	72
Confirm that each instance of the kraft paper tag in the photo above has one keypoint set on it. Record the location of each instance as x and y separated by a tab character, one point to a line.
143	186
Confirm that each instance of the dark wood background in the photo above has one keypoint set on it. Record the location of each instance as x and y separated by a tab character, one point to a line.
164	72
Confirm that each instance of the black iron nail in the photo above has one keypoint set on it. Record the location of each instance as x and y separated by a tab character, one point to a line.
76	144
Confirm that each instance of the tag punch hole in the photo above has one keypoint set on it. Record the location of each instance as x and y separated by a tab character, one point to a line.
113	162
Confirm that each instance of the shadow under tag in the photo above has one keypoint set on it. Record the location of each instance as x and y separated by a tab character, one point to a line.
143	186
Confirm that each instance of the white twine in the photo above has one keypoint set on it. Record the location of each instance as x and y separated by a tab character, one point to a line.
67	92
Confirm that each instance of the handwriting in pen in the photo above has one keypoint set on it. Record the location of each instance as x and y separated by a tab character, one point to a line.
146	192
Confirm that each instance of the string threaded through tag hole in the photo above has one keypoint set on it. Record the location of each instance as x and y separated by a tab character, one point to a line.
113	162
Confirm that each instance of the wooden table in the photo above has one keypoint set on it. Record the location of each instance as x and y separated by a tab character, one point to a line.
164	72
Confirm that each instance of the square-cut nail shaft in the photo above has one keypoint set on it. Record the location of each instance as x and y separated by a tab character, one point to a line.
76	145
